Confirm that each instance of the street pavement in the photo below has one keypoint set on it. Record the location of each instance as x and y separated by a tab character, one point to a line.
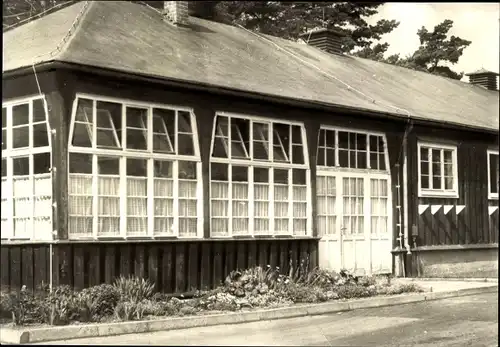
460	321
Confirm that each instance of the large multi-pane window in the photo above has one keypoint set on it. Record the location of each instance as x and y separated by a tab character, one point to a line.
26	170
493	176
259	176
437	171
352	183
352	150
134	170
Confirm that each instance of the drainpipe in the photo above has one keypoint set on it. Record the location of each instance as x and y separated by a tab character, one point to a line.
405	190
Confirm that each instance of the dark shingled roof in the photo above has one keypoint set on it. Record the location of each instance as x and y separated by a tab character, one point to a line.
134	38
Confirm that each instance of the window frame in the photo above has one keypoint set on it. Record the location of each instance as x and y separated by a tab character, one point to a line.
10	153
491	195
431	192
337	166
150	155
251	164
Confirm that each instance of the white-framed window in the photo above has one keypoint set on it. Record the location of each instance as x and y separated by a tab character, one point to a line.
350	149
259	177
493	176
437	170
26	170
134	170
353	180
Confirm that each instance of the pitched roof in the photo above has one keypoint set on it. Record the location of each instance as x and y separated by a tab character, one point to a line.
482	71
134	38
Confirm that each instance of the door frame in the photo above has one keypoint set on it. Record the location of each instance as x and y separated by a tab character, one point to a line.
367	236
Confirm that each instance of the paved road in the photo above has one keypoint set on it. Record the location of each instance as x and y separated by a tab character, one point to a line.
462	321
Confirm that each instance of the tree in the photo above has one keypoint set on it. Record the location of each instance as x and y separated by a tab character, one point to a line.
290	19
435	50
17	12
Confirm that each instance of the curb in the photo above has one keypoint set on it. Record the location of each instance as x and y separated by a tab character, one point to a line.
446	279
27	335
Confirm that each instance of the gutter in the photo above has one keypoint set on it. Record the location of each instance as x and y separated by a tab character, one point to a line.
182	84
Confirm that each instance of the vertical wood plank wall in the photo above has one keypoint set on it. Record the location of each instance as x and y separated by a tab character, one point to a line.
473	225
174	267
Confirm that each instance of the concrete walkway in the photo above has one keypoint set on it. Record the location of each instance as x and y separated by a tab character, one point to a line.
460	321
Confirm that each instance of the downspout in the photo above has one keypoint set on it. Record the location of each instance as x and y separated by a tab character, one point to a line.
405	190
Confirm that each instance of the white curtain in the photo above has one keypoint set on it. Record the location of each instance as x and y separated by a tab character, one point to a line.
281	198
188	207
379	201
163	206
326	200
240	208
219	193
80	205
261	203
108	221
137	206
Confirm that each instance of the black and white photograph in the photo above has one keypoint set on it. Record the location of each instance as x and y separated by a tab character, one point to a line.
250	173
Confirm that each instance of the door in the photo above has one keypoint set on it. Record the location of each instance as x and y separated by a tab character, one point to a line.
353	222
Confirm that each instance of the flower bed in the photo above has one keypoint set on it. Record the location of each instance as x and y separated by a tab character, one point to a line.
134	298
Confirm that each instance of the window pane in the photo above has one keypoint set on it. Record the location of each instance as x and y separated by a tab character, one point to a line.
448	182
82	131
361	142
261	141
222	126
21	166
330	138
163	168
186	145
424	167
280	176
137	167
343	158
4	167
137	119
38	111
299	176
41	163
374	143
164	130
436	155
108	121
494	173
424	181
219	172
448	156
321	156
220	148
20	114
187	170
20	137
4	138
361	160
436	183
80	163
424	154
261	175
108	166
239	173
296	135
343	139
330	157
298	154
184	122
240	138
281	142
381	161
40	135
4	117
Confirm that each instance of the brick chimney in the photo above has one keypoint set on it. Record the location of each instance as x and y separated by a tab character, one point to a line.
176	12
328	40
485	78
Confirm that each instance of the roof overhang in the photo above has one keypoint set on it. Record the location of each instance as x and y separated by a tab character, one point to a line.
182	84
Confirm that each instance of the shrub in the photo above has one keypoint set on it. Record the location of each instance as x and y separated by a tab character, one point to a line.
134	289
59	306
125	310
98	302
352	291
400	289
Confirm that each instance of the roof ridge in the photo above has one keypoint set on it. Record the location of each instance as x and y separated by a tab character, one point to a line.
68	36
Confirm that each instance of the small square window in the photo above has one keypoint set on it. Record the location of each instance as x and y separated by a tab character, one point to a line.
437	170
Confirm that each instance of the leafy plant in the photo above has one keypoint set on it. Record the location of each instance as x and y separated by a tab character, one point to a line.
134	289
98	302
125	310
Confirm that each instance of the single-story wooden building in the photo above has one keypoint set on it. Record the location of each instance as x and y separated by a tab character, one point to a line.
151	142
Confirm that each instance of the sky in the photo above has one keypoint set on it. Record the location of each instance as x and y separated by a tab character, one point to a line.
476	22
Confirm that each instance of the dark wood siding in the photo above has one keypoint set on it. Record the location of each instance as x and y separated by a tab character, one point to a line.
175	267
473	224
